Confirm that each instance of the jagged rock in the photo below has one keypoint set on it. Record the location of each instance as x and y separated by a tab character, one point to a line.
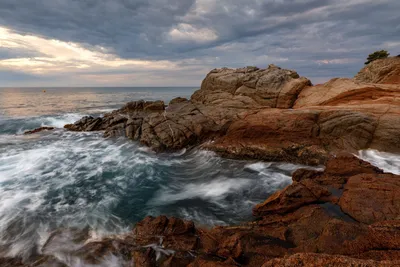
318	187
87	123
382	71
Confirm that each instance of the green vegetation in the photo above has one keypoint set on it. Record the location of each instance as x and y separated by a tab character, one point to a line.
377	55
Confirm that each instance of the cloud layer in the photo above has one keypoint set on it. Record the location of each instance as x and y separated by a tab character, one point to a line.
176	42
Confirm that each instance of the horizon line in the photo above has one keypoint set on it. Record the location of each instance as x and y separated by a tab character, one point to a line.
96	86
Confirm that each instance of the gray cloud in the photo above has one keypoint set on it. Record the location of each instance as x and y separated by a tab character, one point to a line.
318	38
8	53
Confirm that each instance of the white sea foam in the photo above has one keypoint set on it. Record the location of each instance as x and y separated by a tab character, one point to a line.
213	190
61	120
386	161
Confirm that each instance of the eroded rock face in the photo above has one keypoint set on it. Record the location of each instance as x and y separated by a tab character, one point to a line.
383	71
251	87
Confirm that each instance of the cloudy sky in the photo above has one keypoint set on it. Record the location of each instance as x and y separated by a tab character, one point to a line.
176	42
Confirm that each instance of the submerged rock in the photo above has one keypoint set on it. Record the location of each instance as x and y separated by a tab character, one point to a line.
38	130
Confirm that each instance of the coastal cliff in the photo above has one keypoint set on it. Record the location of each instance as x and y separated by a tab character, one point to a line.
346	215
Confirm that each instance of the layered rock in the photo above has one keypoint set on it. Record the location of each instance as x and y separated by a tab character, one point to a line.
322	219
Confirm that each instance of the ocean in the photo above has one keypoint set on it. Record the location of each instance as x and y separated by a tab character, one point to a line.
60	179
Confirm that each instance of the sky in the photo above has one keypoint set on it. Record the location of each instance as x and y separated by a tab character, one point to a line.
177	42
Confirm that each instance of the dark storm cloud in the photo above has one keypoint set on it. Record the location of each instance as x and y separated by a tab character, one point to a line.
318	38
132	28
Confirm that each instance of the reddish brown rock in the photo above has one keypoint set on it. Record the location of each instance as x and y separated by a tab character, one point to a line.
371	198
312	259
167	232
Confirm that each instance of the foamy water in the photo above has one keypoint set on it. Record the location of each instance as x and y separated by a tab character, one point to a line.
388	162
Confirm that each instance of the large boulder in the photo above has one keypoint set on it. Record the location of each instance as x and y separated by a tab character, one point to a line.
251	87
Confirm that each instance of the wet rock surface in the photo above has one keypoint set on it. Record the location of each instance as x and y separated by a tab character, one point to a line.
321	219
38	130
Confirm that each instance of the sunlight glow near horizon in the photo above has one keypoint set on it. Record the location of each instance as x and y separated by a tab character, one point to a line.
59	56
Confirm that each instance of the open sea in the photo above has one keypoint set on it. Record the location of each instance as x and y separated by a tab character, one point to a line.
61	179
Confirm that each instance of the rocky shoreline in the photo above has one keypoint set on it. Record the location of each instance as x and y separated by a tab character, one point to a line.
346	215
269	114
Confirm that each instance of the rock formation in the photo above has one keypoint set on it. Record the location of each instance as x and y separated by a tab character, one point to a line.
385	71
269	114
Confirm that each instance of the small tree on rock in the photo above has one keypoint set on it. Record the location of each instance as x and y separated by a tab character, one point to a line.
377	55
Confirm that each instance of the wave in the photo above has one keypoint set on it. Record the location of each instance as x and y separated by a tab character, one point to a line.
61	120
17	126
